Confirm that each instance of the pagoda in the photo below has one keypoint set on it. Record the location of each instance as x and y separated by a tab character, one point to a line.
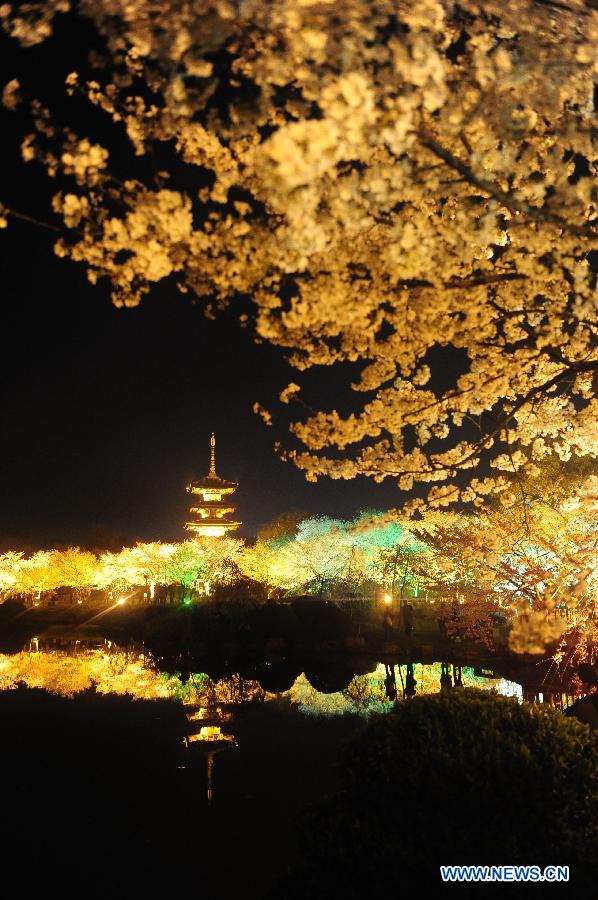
211	509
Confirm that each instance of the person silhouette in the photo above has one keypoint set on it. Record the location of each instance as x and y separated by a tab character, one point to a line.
410	682
407	613
446	682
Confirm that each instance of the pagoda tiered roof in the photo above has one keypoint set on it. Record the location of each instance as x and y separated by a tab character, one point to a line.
210	510
212	483
208	521
221	505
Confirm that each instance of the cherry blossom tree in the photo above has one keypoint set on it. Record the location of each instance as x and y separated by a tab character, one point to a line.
200	562
33	576
320	555
258	563
152	560
119	572
75	569
536	558
11	564
390	183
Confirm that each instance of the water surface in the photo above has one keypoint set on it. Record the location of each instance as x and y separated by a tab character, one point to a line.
201	776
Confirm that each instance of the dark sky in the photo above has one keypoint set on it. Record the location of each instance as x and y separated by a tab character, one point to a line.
106	413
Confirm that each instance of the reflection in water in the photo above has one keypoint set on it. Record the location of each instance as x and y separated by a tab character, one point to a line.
390	682
410	682
69	666
378	690
205	733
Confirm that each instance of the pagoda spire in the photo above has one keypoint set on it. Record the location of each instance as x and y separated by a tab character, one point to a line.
212	456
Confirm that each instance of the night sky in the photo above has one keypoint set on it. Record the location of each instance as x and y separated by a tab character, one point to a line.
106	413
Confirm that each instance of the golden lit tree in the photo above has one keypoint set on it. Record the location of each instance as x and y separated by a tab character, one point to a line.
222	559
385	180
11	564
258	563
151	560
321	555
144	565
118	572
397	567
75	569
38	575
537	557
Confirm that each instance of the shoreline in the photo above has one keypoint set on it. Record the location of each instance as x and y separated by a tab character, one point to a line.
173	639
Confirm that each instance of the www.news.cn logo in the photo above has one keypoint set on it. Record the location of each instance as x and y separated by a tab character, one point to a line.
504	873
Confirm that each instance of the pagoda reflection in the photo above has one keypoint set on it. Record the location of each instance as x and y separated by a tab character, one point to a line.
208	732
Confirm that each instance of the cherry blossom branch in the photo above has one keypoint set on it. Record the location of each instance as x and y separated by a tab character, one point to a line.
507	200
436	467
24	217
556	379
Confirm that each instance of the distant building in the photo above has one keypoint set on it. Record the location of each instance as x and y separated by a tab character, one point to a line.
211	510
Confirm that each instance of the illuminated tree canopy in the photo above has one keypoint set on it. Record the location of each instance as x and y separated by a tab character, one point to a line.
383	180
537	558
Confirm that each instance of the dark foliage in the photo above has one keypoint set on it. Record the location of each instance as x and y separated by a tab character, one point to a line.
462	777
320	619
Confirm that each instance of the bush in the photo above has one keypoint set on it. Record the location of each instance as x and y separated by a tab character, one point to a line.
320	620
463	777
223	620
274	620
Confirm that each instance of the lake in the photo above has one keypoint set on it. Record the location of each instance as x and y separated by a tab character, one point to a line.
122	770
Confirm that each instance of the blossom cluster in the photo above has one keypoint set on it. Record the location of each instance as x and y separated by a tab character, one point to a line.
383	180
